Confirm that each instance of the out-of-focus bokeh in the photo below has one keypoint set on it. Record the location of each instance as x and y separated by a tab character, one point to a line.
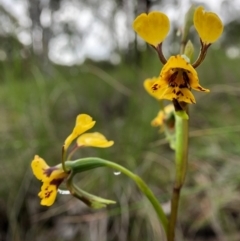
59	58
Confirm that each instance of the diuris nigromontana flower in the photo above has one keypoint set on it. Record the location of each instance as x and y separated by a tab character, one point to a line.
52	177
177	77
176	80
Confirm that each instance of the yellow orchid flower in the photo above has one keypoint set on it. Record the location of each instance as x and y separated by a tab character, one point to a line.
208	25
152	27
95	139
163	115
84	122
166	121
176	80
51	177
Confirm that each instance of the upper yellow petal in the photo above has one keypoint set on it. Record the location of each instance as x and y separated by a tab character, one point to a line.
38	166
179	62
208	25
84	122
95	139
152	27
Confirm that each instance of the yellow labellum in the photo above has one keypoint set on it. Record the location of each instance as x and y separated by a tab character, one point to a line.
152	27
95	139
48	194
208	25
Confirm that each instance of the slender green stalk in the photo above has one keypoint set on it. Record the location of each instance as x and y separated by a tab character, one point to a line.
94	162
181	155
181	144
64	159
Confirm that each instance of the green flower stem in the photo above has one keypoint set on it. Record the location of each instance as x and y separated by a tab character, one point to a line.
181	154
181	158
94	162
63	159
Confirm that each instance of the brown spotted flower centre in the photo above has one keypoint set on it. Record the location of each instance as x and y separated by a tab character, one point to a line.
179	78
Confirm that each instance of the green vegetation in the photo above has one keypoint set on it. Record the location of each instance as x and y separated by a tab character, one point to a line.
38	110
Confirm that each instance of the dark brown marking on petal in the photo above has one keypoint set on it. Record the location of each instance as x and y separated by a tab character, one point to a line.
186	80
182	86
47	194
49	171
200	88
185	76
155	87
172	79
56	182
179	93
174	91
173	84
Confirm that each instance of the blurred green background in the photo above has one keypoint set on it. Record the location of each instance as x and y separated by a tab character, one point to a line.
47	80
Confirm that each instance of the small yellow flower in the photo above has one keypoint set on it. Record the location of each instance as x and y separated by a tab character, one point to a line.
176	80
163	115
152	27
208	25
51	177
84	122
95	139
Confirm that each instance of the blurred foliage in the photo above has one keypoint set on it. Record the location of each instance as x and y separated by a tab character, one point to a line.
38	111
